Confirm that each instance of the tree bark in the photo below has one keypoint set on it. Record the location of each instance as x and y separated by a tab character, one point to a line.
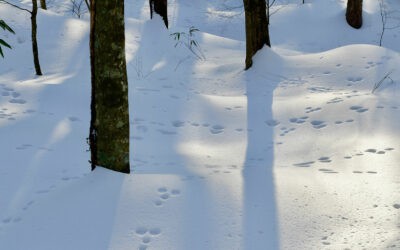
109	126
160	7
35	49
43	4
354	13
257	33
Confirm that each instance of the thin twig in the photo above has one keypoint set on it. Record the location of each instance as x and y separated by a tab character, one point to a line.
15	6
378	84
383	20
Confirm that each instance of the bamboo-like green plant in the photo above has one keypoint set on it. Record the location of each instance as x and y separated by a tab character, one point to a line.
189	41
5	27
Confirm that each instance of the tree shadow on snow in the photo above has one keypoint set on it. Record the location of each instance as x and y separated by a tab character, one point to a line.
260	222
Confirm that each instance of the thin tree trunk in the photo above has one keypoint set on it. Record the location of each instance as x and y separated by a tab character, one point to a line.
257	33
354	13
87	4
35	49
43	4
109	126
160	7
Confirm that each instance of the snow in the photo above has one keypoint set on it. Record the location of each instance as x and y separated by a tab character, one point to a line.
295	153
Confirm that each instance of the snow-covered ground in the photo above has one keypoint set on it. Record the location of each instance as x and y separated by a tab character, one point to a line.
296	153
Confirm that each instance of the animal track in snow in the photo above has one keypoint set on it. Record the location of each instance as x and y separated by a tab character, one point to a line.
272	123
73	119
304	164
147	235
342	122
335	100
217	129
7	115
368	172
27	205
299	120
17	101
24	146
372	64
11	219
178	123
174	97
354	79
324	159
317	124
359	109
286	130
10	92
327	171
235	107
166	132
379	152
165	194
311	109
319	89
7	220
370	151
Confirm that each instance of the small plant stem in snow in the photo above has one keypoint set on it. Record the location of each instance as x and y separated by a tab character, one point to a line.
378	84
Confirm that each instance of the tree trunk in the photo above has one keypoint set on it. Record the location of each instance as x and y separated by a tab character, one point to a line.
160	7
354	13
109	126
87	4
257	34
35	49
43	4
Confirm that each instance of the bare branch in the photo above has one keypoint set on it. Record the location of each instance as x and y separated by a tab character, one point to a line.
383	20
15	6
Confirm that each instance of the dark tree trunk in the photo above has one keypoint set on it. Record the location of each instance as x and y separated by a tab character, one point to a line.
257	34
43	4
109	126
354	13
87	4
35	49
160	7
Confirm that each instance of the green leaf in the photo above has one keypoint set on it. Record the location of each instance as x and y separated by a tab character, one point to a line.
192	29
193	42
2	42
1	52
176	35
4	26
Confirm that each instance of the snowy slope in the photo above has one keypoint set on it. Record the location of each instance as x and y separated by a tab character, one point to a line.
295	153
